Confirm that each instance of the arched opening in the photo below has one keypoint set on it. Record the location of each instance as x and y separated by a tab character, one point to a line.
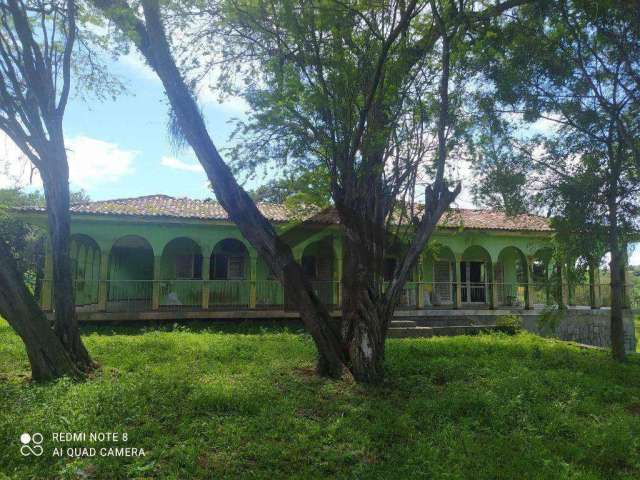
511	277
181	274
542	277
474	275
317	263
440	275
229	273
130	286
85	269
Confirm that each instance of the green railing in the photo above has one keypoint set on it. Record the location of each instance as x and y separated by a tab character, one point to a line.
129	295
511	294
138	295
269	294
180	294
86	292
229	293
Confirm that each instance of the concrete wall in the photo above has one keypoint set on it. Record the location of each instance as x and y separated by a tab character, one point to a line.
591	327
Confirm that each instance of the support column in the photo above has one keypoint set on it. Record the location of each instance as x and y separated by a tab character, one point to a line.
103	285
253	271
46	297
494	286
458	278
155	295
206	274
528	290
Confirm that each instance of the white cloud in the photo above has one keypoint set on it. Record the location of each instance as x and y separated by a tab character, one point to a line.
134	61
232	105
15	168
90	161
172	162
460	170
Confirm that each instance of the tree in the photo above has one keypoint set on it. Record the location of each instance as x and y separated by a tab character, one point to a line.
48	358
303	192
344	79
501	173
25	241
575	64
37	41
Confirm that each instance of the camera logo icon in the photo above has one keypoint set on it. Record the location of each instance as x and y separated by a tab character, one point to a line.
31	444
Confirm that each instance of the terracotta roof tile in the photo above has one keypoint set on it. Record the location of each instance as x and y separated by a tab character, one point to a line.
166	206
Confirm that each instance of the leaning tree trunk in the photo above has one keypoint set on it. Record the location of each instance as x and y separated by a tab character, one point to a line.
47	355
55	180
151	41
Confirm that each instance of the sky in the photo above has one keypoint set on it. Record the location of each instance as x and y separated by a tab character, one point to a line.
121	148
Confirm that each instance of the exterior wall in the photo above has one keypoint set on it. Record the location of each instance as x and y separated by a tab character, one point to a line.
109	272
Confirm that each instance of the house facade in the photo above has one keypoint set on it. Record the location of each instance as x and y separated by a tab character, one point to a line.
146	257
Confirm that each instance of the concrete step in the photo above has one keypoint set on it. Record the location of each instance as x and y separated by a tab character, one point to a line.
407	332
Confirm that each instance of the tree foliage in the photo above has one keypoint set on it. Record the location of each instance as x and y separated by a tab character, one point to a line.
576	65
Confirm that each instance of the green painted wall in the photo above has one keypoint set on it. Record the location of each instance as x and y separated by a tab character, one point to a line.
101	235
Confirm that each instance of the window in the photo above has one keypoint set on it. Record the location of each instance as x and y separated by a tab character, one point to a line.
188	266
229	267
221	266
236	268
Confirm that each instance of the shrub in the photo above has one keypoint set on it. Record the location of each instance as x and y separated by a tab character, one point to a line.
509	323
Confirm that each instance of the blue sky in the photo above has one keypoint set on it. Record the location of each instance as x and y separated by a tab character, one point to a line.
137	123
121	148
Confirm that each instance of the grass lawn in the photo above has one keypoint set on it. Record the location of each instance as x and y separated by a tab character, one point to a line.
231	403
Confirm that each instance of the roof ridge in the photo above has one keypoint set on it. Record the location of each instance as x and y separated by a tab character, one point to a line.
110	200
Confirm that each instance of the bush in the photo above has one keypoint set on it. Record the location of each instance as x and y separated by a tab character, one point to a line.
509	323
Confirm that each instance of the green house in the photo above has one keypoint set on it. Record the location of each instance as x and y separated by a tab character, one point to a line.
143	257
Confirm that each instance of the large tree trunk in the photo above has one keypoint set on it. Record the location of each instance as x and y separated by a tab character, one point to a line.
617	289
364	333
55	180
47	355
364	318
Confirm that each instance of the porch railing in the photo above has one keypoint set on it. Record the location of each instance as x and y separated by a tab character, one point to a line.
177	295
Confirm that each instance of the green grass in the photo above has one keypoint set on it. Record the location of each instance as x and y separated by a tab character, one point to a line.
233	403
